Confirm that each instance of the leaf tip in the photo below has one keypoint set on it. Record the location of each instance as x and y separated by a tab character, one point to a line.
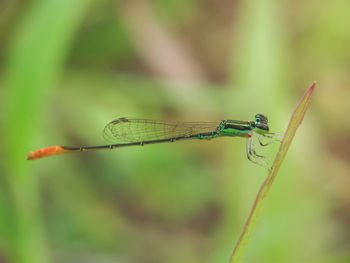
312	87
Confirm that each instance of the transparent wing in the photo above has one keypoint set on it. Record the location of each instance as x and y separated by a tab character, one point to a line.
125	130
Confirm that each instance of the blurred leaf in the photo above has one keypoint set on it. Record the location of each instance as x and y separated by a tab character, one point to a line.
102	41
35	59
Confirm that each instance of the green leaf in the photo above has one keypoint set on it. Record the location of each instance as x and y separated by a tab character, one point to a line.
294	123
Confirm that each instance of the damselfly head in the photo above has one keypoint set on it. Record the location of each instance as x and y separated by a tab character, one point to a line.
261	123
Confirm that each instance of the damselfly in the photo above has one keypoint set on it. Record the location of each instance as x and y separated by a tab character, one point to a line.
130	132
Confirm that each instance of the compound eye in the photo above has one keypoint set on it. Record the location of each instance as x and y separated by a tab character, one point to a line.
257	118
260	118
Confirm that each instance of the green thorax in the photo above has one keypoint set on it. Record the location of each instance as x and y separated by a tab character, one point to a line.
235	128
243	128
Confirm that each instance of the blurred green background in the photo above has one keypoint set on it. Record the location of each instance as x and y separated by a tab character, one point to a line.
67	68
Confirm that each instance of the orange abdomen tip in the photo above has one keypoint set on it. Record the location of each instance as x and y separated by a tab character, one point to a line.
45	152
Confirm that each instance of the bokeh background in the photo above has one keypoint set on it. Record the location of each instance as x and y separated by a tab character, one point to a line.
67	68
